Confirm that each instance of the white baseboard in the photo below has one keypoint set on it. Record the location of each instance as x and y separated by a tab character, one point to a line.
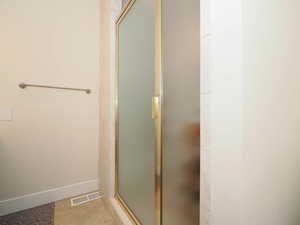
40	198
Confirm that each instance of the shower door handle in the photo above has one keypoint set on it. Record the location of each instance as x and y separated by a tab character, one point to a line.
155	107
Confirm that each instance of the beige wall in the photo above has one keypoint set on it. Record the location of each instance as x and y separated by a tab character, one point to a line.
110	10
52	140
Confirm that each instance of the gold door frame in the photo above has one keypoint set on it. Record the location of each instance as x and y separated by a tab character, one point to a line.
157	118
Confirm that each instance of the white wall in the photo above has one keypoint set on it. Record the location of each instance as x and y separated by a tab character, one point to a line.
272	114
250	113
221	116
52	140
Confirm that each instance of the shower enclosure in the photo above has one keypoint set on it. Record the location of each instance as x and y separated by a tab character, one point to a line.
157	105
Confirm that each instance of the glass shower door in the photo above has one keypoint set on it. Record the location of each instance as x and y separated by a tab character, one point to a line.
135	127
181	111
145	37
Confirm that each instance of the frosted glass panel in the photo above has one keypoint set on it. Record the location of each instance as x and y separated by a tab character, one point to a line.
181	113
136	127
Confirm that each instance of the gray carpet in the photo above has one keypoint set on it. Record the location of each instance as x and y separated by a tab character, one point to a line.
42	215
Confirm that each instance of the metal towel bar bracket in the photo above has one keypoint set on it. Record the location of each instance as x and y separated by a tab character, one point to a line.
23	86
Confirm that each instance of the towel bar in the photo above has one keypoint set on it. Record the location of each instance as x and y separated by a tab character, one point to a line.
23	86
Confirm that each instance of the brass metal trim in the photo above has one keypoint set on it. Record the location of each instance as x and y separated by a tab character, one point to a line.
155	107
124	12
23	86
127	210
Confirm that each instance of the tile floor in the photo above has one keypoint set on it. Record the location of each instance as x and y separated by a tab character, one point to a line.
96	212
